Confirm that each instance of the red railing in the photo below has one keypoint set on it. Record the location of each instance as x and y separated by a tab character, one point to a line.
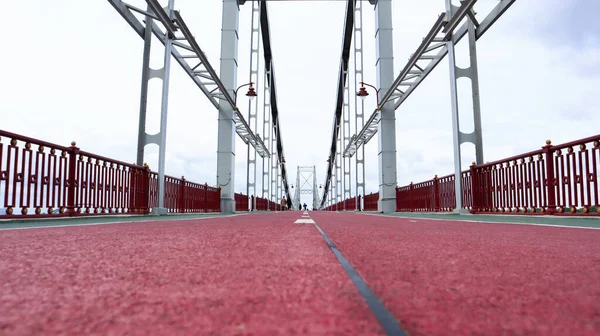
371	201
42	179
436	194
554	180
349	204
241	202
263	204
183	196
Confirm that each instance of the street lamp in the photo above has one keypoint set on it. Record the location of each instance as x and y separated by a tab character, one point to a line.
250	94
362	92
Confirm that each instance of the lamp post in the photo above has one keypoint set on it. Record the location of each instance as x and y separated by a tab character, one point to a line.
250	94
363	93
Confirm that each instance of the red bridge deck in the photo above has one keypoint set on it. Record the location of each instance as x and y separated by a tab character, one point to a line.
261	274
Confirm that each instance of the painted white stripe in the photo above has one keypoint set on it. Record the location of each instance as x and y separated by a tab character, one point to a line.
304	221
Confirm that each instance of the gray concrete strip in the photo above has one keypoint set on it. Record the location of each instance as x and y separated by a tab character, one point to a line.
554	221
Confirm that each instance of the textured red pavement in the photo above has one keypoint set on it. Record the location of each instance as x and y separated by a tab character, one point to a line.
243	275
444	277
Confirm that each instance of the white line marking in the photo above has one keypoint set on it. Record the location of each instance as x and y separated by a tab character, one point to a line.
304	221
487	222
414	221
129	222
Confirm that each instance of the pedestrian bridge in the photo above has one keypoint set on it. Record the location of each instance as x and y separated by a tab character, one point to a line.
93	244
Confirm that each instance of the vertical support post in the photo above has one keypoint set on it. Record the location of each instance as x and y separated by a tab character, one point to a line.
144	90
181	201
316	197
436	194
332	197
72	176
332	184
298	193
550	178
274	164
329	203
160	138
162	149
359	104
476	190
387	124
146	189
346	161
206	197
459	137
253	105
267	131
338	170
410	197
455	122
473	74
228	75
279	182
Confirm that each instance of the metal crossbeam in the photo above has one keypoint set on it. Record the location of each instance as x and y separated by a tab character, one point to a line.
413	74
200	70
464	10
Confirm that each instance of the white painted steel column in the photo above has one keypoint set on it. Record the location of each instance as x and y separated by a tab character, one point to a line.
459	137
162	149
228	76
387	124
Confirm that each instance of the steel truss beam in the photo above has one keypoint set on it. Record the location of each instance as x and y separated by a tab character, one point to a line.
343	72
269	68
432	50
253	104
359	106
267	130
345	181
202	73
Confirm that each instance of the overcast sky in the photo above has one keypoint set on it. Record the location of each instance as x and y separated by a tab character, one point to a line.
71	71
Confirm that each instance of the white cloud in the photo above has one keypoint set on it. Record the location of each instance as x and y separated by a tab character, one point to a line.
77	77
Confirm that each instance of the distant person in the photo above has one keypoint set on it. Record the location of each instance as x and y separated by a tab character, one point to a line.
305	206
289	205
283	203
